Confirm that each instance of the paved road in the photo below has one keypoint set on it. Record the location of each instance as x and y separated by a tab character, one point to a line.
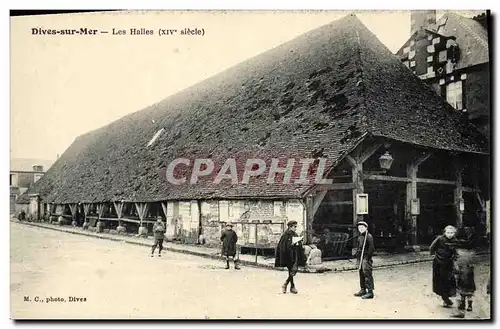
120	280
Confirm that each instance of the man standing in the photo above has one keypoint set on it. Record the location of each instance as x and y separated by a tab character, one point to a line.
289	254
159	233
229	239
364	253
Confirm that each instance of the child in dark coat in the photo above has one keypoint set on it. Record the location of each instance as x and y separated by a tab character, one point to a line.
364	254
159	234
466	285
444	250
229	239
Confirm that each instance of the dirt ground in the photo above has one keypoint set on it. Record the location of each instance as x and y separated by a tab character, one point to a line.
114	280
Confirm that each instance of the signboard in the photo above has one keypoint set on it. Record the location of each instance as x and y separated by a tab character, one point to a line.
362	204
295	211
415	206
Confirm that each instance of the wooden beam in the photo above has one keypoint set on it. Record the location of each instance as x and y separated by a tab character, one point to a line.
309	218
72	207
100	209
334	187
138	208
86	208
368	152
130	220
388	178
118	207
411	193
357	180
458	196
317	199
351	160
339	203
164	207
421	159
435	181
470	190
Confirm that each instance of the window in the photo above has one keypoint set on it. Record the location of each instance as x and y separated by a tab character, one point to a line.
155	137
454	94
406	63
430	69
13	180
436	41
430	49
37	177
443	56
406	50
429	59
412	63
411	54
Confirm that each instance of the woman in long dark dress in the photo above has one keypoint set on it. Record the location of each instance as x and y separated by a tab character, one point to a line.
229	239
443	279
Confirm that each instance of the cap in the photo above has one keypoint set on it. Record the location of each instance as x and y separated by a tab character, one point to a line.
291	223
362	223
229	224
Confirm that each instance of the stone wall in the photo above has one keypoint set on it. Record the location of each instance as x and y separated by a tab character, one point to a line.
187	219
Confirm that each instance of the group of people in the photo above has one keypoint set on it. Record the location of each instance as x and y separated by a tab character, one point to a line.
452	272
289	254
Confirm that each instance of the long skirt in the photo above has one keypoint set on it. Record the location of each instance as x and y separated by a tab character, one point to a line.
443	279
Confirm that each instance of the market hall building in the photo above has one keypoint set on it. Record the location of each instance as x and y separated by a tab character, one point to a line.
399	156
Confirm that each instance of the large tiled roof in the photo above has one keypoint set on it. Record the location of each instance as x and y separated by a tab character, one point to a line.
319	94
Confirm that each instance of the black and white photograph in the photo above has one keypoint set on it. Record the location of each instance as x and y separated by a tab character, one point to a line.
251	165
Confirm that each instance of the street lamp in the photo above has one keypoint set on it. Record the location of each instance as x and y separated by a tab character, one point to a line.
385	161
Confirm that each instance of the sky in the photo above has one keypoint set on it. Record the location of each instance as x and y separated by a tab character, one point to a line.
65	86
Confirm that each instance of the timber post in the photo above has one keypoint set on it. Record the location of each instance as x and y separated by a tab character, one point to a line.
411	194
458	193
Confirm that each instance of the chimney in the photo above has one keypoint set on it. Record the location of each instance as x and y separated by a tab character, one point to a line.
423	19
37	168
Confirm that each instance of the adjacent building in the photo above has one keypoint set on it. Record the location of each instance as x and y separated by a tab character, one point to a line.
23	174
398	155
452	55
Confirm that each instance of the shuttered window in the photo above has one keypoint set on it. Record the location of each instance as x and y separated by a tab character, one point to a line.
454	94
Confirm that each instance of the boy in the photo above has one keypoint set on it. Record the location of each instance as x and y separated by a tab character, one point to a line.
466	285
159	231
229	239
289	254
364	253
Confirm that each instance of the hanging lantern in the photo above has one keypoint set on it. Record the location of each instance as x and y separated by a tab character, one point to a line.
386	161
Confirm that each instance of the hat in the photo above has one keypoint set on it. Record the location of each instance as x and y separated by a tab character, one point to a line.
362	223
229	224
291	223
296	239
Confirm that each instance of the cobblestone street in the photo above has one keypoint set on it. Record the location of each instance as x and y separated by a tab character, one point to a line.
119	280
